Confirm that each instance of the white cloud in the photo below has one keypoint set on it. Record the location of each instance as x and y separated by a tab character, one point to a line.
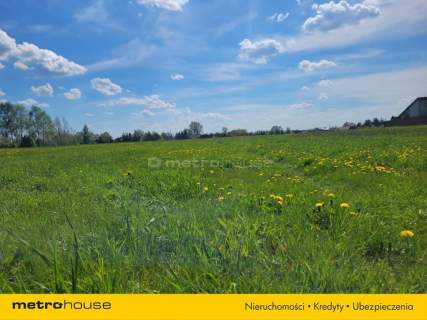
105	86
323	96
214	115
1	65
381	88
392	23
47	60
29	56
278	17
144	113
173	5
39	28
21	66
331	15
299	106
132	53
324	83
311	66
73	94
305	88
44	90
7	45
177	77
2	93
31	102
151	102
148	112
87	114
259	51
98	14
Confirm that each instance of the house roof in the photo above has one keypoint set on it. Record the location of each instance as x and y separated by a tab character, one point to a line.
417	99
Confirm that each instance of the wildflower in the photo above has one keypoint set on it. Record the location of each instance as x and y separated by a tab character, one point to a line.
344	205
319	205
205	189
407	234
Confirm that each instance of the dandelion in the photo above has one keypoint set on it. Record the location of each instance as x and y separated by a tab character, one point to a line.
319	205
407	234
344	205
205	189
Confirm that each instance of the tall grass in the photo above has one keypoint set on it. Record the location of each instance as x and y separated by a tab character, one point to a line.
98	219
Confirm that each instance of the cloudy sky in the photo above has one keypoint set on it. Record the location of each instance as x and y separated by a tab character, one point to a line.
120	65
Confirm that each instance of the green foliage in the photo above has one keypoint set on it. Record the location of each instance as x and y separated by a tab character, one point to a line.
99	219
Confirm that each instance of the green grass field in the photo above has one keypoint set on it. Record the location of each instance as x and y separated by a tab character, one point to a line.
104	219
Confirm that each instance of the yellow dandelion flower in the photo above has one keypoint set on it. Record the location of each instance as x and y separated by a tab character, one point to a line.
205	189
319	205
344	205
407	234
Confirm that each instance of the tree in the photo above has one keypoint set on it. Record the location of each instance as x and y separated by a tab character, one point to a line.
152	136
13	119
166	135
87	136
224	131
276	130
138	135
195	129
27	142
104	138
184	134
238	132
40	126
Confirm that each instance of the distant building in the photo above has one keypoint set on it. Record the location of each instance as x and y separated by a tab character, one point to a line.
414	114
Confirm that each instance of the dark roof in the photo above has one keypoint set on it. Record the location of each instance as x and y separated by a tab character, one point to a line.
417	99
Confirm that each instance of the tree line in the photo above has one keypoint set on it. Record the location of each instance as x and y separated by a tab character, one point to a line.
30	127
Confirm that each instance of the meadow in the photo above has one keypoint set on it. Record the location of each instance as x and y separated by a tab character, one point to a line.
337	212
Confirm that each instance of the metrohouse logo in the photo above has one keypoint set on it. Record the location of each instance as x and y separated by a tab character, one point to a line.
61	305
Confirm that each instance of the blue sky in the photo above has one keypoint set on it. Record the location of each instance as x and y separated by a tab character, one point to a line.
158	64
